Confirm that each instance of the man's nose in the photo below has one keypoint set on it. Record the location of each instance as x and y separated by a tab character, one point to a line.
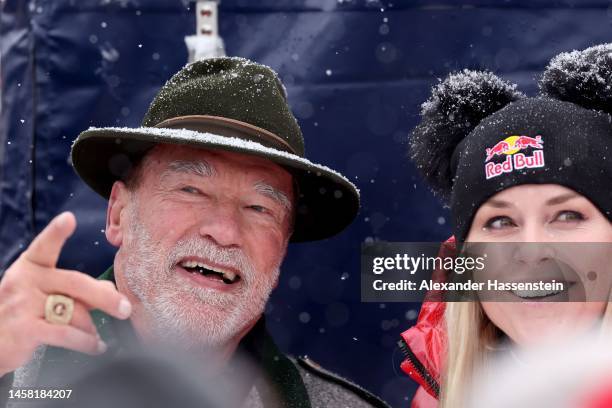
221	224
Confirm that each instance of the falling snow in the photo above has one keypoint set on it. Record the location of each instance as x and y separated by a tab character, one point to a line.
304	317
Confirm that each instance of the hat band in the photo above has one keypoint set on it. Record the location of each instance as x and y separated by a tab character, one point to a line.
229	128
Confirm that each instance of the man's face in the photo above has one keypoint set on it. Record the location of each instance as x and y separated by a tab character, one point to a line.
203	235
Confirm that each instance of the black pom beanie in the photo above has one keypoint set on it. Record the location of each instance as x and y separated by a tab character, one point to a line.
479	136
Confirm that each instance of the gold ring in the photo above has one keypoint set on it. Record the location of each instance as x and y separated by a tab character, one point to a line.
59	309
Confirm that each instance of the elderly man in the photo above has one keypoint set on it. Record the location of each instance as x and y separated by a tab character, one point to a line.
202	202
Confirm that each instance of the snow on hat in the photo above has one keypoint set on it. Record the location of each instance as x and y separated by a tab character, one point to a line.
479	135
229	104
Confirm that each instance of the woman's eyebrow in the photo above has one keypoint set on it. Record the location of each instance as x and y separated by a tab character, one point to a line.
498	204
552	201
561	199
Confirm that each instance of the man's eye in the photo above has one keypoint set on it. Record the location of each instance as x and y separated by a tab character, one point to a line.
190	190
569	216
499	223
259	209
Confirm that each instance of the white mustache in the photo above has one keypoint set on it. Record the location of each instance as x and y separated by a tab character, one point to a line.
198	247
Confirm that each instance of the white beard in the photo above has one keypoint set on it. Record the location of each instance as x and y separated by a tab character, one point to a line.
177	310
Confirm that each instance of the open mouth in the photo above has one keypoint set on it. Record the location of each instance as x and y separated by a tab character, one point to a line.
226	276
543	294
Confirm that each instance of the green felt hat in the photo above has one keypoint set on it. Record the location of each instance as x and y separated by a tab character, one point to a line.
228	104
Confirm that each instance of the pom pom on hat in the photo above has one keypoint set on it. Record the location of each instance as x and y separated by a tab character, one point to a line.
455	108
582	77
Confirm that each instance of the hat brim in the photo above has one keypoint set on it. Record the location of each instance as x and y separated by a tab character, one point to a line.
327	202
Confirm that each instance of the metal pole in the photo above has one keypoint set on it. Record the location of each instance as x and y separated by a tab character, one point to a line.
206	43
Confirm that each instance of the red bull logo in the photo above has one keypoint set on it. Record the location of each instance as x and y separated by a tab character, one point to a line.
511	147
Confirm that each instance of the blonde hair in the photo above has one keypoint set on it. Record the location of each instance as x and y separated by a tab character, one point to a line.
471	336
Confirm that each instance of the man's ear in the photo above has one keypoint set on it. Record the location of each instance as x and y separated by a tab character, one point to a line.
116	204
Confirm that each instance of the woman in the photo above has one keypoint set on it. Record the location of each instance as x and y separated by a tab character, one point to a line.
515	169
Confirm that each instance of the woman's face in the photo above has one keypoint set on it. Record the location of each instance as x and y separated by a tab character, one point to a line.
551	214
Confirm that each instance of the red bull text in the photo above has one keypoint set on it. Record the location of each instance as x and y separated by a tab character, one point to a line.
515	160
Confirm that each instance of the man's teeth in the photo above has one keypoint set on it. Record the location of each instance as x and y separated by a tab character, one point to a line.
192	264
227	275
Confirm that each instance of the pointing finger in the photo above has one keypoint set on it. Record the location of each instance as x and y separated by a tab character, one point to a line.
47	246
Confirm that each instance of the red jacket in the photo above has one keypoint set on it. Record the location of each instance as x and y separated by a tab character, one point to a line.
424	344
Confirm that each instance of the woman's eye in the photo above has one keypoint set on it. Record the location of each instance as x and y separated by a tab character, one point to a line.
569	216
499	223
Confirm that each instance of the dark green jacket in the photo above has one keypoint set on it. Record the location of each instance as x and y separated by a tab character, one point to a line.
281	381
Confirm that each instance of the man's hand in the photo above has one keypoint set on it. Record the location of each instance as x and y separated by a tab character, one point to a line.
23	294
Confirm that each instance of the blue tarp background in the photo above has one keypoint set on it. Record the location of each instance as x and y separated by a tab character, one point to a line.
356	73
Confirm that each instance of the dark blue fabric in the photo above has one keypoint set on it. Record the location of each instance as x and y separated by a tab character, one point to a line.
356	72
